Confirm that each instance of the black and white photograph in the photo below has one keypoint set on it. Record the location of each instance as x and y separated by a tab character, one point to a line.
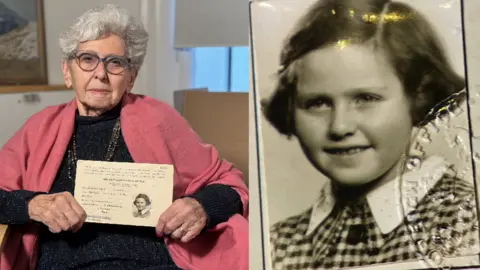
364	139
142	205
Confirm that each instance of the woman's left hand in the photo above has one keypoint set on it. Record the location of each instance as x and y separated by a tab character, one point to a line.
183	220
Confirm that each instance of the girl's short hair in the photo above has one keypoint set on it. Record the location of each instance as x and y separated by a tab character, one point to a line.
144	197
402	33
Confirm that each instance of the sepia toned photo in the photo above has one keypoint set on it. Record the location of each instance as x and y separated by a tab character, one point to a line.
142	205
363	134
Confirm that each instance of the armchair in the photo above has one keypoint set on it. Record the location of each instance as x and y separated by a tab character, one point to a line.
3	232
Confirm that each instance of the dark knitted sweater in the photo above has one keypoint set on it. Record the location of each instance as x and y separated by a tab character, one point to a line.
101	246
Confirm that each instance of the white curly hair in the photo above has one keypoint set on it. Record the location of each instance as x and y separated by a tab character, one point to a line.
105	20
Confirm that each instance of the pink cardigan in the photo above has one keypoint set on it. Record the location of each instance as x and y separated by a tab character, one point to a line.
154	133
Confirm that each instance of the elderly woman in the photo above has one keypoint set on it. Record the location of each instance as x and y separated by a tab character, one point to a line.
204	228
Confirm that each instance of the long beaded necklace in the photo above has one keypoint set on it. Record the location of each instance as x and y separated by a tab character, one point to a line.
112	146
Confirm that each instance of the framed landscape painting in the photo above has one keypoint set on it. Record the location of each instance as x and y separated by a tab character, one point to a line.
22	43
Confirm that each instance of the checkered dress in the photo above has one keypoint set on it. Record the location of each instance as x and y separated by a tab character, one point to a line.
445	224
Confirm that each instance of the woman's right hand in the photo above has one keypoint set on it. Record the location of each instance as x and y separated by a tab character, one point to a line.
59	211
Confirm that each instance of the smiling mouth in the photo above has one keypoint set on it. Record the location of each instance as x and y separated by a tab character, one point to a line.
346	150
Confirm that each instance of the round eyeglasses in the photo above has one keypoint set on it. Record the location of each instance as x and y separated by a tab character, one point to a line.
113	64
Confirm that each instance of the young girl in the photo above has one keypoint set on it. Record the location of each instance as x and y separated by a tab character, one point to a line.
142	205
358	78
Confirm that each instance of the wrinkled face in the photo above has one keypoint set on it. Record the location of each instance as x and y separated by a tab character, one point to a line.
98	91
140	203
352	115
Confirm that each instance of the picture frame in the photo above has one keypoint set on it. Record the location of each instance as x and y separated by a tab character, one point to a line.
22	43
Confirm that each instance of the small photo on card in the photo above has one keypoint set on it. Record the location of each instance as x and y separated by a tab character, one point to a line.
141	206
